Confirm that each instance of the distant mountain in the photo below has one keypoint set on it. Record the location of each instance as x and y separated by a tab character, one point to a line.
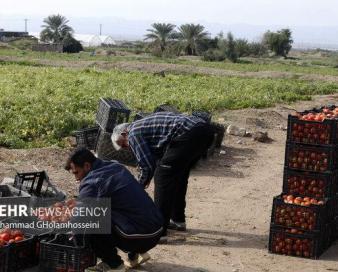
122	29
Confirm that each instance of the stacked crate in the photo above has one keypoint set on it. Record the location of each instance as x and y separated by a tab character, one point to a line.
110	113
302	220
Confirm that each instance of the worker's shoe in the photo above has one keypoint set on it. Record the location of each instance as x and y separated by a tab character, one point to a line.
180	226
137	260
103	267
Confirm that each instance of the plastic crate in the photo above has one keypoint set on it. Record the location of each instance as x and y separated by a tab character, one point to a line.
86	137
166	107
60	254
141	115
22	255
320	159
310	218
10	193
38	185
106	151
308	184
219	131
4	259
110	113
206	116
306	245
312	132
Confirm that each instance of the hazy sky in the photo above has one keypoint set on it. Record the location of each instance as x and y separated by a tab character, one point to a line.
255	12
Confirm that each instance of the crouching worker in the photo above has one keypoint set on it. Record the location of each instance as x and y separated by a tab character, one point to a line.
136	221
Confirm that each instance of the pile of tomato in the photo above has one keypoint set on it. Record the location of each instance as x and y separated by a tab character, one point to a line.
59	212
302	201
295	217
9	236
309	186
284	244
325	113
311	160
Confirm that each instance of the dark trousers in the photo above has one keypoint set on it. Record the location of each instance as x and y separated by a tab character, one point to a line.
172	172
105	245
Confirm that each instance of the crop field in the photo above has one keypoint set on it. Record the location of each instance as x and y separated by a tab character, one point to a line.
41	105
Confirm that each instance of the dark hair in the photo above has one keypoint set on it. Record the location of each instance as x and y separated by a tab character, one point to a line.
79	157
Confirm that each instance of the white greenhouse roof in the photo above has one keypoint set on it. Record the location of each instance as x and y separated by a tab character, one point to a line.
87	39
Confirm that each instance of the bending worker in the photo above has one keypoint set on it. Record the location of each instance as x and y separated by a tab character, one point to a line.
136	221
166	146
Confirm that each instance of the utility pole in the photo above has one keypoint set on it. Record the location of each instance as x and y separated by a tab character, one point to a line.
100	29
26	24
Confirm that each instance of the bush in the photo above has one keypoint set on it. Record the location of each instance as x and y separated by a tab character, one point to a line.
257	49
24	43
214	55
70	45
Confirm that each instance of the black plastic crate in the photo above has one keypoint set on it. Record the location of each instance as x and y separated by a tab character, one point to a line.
320	159
219	131
206	116
166	107
60	254
306	245
110	113
106	151
141	115
312	132
10	193
22	254
310	184
310	218
38	185
86	137
3	258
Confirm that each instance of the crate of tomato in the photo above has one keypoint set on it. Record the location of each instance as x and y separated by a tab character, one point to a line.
21	249
3	256
320	159
306	244
64	254
317	126
313	185
304	214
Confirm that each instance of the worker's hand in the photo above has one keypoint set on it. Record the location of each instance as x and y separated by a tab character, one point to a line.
146	184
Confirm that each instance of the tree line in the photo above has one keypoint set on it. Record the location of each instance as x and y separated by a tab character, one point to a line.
165	39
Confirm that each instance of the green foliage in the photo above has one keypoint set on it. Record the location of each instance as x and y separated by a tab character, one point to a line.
257	49
214	55
279	42
71	45
242	48
190	35
24	43
160	34
39	106
55	29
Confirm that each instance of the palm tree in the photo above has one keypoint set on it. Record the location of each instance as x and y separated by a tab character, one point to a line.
55	29
161	34
191	34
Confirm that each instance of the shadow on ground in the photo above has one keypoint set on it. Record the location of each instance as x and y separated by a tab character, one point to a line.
227	164
212	238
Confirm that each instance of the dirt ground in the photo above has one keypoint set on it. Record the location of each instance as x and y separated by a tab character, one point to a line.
228	203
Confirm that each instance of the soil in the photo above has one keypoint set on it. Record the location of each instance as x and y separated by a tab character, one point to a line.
229	198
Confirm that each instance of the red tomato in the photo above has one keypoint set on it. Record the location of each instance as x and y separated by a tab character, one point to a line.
5	236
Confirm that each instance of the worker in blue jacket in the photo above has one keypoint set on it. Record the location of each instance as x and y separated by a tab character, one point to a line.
136	221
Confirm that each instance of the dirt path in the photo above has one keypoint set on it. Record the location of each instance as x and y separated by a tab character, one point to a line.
173	68
229	200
